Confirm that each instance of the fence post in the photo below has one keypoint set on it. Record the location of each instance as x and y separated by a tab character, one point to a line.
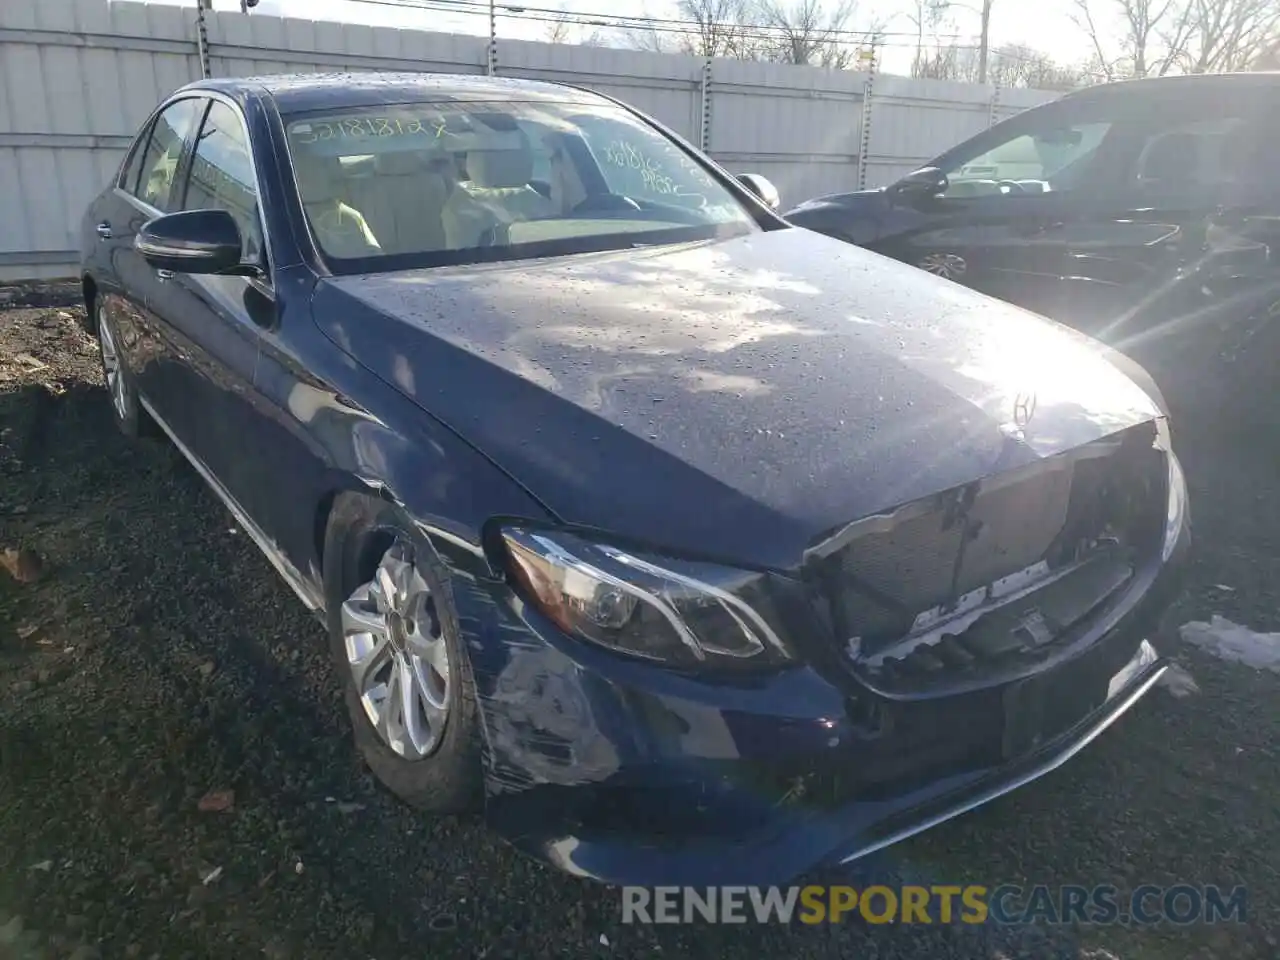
864	144
491	59
704	93
202	39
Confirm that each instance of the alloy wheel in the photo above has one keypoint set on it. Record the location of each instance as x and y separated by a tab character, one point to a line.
946	265
112	367
398	655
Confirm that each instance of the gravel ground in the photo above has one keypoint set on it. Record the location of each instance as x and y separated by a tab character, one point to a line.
158	658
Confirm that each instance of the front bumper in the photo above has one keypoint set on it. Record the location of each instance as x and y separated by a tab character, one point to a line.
628	774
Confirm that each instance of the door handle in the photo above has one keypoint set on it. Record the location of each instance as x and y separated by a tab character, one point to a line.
164	275
104	231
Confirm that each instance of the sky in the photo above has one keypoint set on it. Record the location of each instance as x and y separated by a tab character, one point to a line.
1042	24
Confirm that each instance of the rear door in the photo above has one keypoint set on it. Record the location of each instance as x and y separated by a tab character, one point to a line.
141	193
1132	260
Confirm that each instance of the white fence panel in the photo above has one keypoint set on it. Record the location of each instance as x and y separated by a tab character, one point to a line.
77	77
665	87
799	126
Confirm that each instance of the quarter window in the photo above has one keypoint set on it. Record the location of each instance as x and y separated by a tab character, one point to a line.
222	175
170	134
133	165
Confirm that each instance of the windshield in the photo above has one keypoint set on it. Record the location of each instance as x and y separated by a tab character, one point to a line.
428	184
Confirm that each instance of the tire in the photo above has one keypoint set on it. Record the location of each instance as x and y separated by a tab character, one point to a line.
122	391
359	536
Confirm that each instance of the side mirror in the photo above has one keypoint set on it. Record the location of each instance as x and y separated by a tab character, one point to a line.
764	190
194	241
923	184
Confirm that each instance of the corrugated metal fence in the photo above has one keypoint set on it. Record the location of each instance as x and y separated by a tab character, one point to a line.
77	77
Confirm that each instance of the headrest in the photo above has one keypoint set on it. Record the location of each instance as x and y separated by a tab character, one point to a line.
319	177
402	163
1175	156
511	167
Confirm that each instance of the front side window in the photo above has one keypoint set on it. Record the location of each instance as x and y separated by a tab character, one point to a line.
222	177
172	130
446	183
1053	159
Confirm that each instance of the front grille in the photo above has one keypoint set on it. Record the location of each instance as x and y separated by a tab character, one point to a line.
998	569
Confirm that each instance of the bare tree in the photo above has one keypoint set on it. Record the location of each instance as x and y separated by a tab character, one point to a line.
719	26
926	15
650	40
1008	65
712	28
560	29
984	40
1158	37
1224	35
807	32
810	32
1269	59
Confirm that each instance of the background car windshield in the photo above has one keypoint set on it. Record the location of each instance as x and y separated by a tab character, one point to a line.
453	183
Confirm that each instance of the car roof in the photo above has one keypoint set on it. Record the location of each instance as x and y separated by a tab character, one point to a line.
300	92
1225	84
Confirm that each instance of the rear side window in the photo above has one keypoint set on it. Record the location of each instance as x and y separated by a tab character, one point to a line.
1199	152
172	131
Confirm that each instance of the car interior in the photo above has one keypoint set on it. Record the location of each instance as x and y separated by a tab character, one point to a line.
410	199
417	182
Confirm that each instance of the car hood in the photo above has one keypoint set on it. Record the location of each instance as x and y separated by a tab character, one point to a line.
858	198
862	217
734	399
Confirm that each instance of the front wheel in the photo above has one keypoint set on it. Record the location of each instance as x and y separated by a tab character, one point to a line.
398	651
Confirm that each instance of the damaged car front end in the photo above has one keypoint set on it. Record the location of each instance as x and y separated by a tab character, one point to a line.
813	576
916	665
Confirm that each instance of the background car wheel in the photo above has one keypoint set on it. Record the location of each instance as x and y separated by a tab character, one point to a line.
396	646
128	413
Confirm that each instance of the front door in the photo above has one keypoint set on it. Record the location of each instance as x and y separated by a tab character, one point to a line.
1016	199
209	325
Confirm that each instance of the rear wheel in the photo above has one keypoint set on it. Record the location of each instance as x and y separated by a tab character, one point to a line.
128	413
397	648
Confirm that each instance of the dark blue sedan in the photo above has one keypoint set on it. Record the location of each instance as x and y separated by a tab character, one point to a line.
690	546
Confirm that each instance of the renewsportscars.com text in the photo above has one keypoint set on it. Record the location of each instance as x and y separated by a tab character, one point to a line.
1103	904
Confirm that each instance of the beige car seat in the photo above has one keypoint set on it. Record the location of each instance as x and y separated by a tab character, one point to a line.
339	228
403	202
498	193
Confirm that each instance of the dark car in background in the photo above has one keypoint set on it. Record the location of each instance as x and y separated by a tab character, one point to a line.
1126	210
688	545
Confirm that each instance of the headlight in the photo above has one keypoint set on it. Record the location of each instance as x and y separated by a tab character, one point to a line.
685	614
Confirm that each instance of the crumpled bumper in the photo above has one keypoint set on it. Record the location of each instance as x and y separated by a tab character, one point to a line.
629	774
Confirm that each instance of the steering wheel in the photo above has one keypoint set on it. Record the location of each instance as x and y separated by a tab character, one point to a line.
606	203
1009	186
